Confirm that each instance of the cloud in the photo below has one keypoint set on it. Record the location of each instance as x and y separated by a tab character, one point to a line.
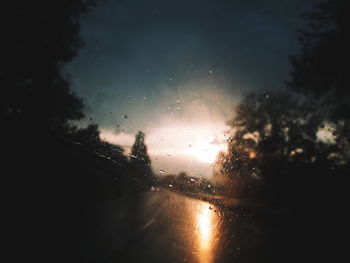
190	59
123	139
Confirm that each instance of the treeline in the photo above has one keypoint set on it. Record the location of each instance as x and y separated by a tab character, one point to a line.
52	170
38	109
136	167
292	147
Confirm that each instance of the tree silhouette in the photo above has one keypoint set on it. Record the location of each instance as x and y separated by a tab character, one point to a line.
276	150
42	37
320	71
320	68
139	151
42	178
140	159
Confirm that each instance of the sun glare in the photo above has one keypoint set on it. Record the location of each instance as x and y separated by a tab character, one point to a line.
205	150
178	141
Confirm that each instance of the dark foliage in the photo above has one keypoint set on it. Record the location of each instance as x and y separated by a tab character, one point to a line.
49	181
89	139
141	162
276	153
294	149
39	37
321	69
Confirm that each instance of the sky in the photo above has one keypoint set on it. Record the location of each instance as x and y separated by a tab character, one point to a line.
174	70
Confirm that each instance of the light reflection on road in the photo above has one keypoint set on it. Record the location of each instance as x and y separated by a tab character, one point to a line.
167	227
205	232
162	226
193	227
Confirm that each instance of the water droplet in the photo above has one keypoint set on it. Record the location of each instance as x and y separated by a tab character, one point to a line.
178	109
162	171
210	71
177	101
211	207
124	116
267	95
145	98
170	185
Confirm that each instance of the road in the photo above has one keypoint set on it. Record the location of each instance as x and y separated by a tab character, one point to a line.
162	226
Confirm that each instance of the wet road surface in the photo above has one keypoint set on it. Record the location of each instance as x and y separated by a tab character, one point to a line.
162	226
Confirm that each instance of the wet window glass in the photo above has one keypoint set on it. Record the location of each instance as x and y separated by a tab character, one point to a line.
175	131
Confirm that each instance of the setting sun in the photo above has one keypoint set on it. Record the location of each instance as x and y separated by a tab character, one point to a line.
204	149
191	146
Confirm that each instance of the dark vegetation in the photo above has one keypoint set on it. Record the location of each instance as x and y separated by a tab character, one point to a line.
51	169
292	149
278	150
